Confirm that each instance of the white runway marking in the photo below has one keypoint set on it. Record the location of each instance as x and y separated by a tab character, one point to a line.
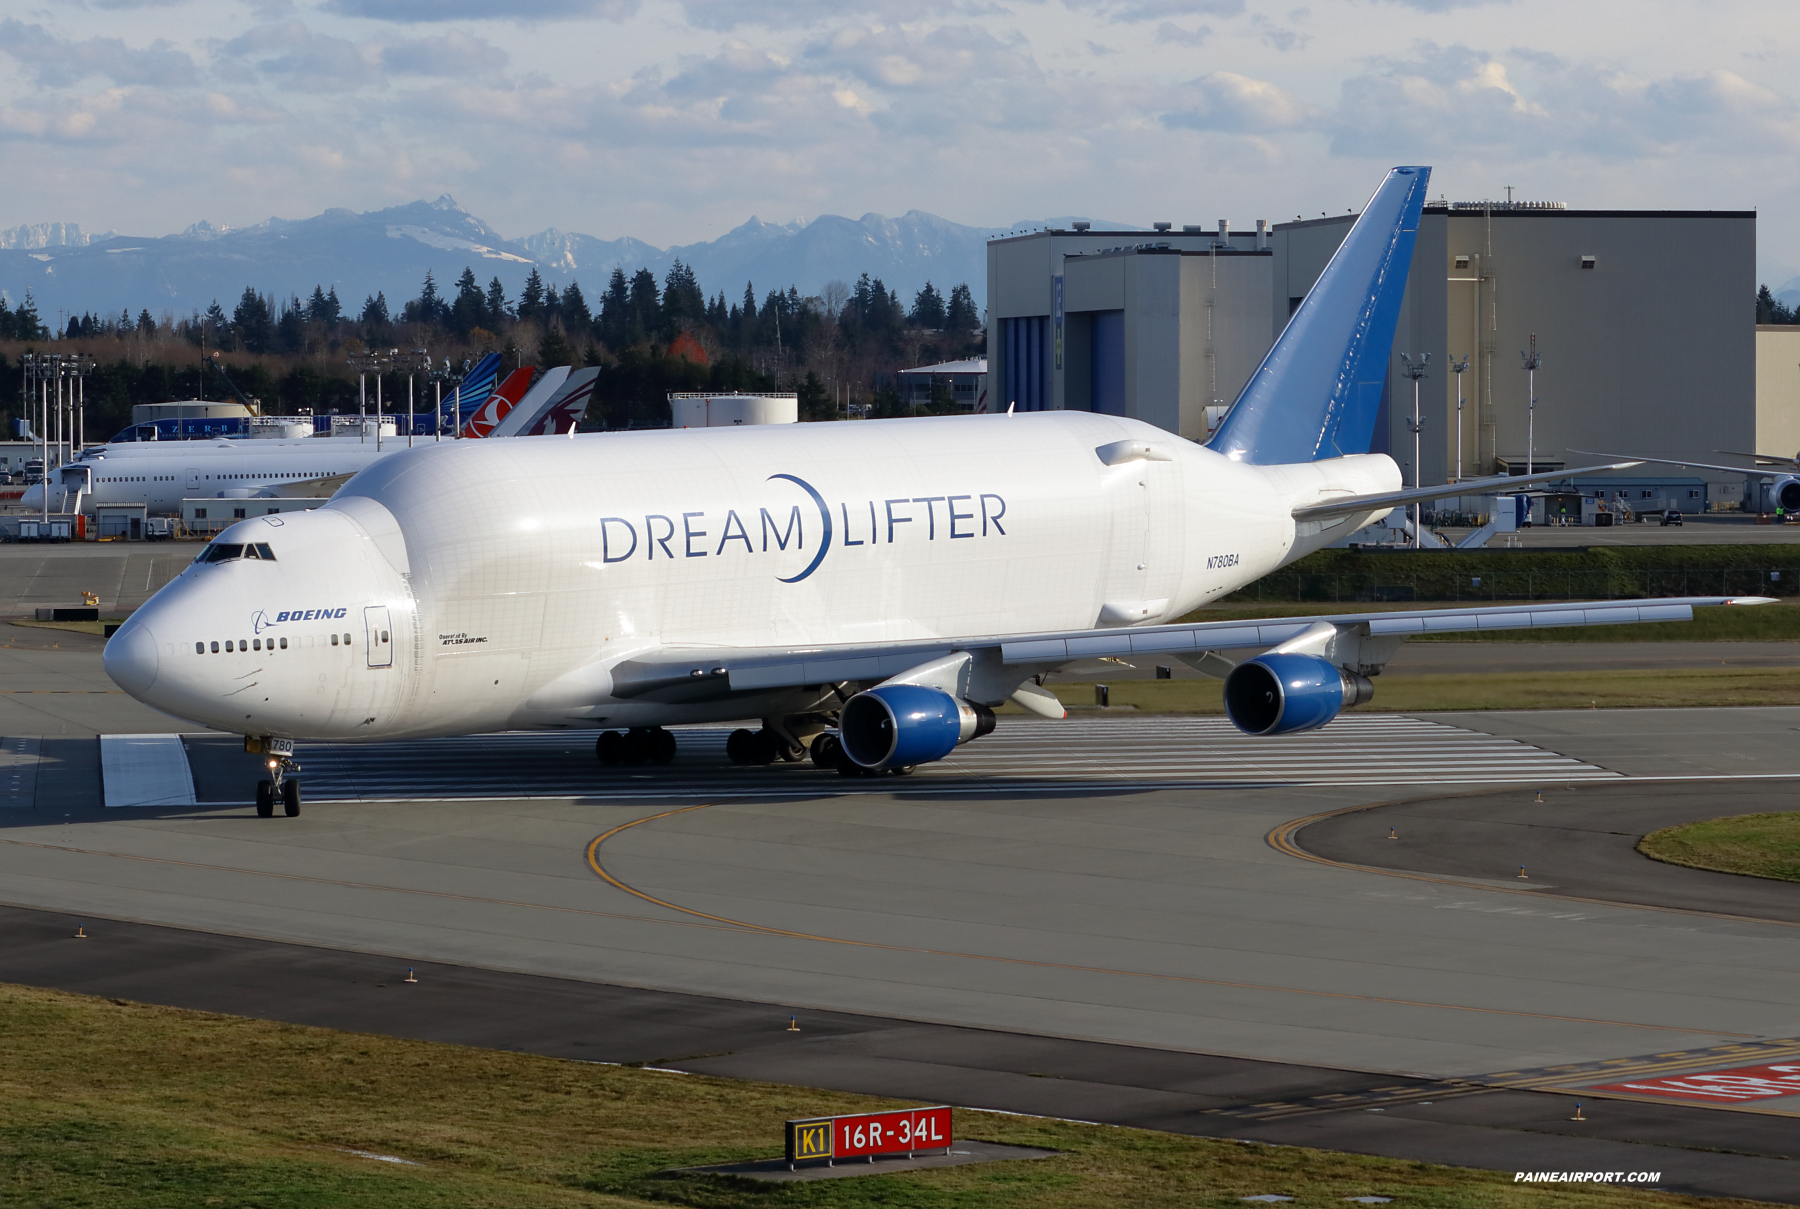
145	770
1081	754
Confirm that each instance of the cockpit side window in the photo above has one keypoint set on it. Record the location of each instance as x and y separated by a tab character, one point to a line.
262	549
220	552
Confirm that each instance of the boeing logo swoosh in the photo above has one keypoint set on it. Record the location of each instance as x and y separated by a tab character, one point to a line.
824	516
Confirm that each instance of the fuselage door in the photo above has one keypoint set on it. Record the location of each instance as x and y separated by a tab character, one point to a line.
379	636
193	479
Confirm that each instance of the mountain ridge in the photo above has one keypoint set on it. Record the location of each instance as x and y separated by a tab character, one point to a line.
389	251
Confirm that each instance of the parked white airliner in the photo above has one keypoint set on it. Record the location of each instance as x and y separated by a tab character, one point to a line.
871	590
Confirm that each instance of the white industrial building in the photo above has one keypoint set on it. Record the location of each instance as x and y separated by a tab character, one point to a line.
1642	319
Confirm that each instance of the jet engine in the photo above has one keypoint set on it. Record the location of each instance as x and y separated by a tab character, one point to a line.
1277	694
897	725
1784	493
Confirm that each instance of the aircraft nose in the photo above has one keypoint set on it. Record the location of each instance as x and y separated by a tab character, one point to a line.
130	658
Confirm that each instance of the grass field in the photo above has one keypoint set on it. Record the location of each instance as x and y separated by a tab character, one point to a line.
1760	845
1618	689
109	1103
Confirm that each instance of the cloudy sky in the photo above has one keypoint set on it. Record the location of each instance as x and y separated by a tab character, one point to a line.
674	120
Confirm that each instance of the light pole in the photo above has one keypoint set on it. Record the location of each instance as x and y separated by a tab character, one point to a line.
1531	367
1415	371
1457	368
418	361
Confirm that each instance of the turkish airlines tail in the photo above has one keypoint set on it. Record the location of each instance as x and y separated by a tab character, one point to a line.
518	421
506	396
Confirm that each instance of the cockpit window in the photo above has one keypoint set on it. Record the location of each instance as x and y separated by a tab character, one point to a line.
220	552
262	549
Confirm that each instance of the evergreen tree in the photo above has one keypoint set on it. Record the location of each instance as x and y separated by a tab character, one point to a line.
469	311
334	310
375	311
290	330
749	302
614	324
531	299
1770	309
961	317
255	326
646	310
553	307
215	322
553	350
428	307
928	308
497	309
575	310
815	401
6	324
683	305
26	324
315	306
146	326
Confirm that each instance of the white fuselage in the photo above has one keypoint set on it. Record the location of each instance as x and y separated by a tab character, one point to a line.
160	474
479	585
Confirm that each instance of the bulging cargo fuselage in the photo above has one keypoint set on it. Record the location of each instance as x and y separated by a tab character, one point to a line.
478	586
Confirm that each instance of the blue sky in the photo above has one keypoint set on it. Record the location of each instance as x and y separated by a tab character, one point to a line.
674	120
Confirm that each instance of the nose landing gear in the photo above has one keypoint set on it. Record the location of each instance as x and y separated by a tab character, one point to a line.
279	787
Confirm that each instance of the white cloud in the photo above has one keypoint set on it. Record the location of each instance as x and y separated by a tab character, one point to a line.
57	62
1229	102
1174	35
519	11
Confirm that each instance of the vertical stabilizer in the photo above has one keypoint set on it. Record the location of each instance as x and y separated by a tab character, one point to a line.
1317	393
506	396
462	401
569	405
531	408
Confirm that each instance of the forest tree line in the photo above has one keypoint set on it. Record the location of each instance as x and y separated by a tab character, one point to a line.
837	350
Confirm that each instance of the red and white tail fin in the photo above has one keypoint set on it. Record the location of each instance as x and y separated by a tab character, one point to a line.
569	404
506	396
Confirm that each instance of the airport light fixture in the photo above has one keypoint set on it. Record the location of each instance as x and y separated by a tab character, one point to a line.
1415	371
1531	367
418	361
1457	368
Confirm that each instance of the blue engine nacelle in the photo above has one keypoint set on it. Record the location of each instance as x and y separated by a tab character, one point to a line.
896	725
1784	493
1279	694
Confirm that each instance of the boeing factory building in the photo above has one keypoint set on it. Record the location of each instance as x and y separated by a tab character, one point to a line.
1643	321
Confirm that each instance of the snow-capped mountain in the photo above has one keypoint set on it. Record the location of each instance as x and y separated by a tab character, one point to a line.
391	250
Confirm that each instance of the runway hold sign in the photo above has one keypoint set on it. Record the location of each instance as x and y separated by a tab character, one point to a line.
1738	1085
868	1134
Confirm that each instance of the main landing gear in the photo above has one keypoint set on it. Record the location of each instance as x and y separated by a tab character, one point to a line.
763	746
640	745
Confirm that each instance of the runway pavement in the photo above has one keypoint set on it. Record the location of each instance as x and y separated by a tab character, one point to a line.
1101	882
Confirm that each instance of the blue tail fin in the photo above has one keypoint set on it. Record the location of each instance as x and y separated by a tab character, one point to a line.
1317	393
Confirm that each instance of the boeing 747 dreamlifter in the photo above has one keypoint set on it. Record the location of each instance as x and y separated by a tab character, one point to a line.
870	590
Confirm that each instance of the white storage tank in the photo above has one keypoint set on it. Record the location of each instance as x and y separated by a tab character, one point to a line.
695	410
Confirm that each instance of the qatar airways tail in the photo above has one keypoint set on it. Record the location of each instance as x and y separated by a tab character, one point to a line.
870	590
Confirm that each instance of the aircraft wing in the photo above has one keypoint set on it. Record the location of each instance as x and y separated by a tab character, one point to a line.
1498	483
325	484
689	674
1693	465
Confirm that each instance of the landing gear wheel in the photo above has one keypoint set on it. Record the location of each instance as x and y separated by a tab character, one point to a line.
662	746
610	747
637	746
740	746
826	750
265	799
767	747
290	798
904	770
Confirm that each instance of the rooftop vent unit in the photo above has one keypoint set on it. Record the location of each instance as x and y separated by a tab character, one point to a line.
1192	228
1162	226
1587	262
1081	224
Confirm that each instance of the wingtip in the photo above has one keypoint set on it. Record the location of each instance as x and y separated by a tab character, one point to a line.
1753	600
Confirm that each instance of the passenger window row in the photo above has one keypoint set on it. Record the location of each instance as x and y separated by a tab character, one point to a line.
257	644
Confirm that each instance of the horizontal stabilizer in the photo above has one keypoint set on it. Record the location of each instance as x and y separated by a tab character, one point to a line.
1499	484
